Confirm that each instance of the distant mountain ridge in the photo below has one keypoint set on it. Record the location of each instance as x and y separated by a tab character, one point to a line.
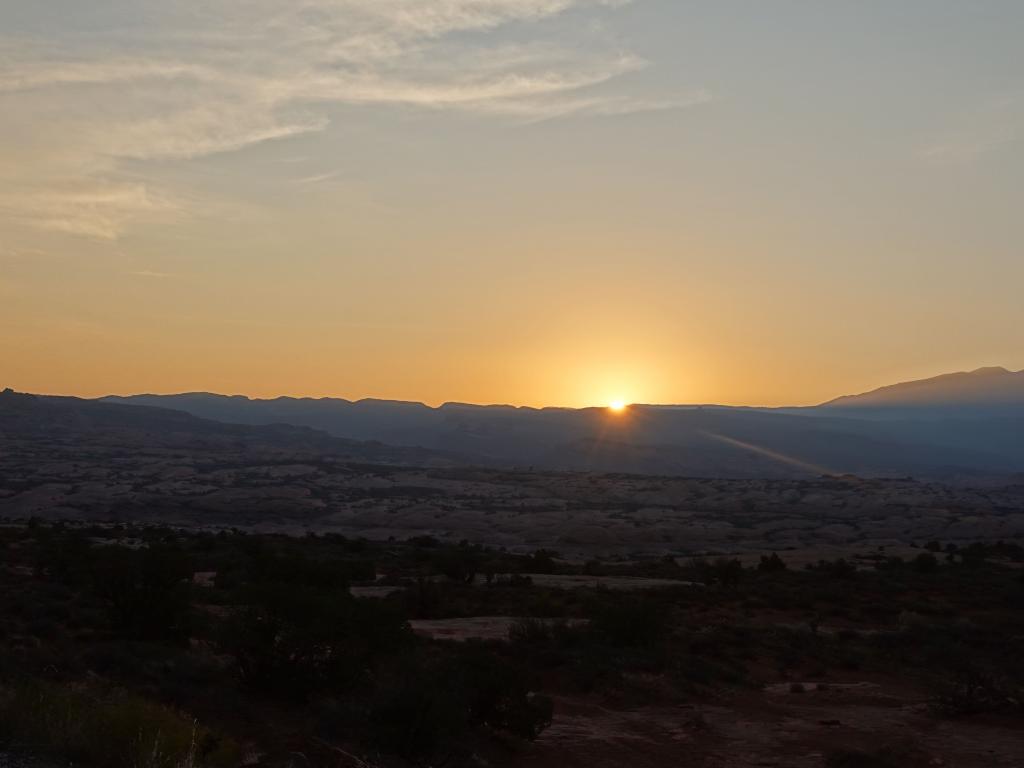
91	422
942	427
994	391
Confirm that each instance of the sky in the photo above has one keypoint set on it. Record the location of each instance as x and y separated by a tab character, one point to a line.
537	202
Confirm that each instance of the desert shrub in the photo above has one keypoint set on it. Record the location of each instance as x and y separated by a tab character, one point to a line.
691	670
107	730
146	592
543	561
796	648
424	542
416	711
459	564
973	691
424	599
925	562
113	659
632	622
582	657
531	632
499	694
295	643
284	565
881	757
66	557
43	628
430	703
723	570
836	569
974	554
771	563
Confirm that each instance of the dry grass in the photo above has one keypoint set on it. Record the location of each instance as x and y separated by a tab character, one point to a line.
107	729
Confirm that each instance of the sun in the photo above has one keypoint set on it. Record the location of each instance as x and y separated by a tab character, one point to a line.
618	406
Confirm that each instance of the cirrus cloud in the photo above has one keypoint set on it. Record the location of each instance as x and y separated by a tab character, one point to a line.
186	79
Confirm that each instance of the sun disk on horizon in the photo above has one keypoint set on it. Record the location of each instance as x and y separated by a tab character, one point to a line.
618	406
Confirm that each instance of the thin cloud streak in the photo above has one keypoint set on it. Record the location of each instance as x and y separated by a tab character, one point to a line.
318	178
987	129
95	210
54	74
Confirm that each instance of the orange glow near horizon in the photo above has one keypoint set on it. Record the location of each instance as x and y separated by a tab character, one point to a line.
560	228
617	406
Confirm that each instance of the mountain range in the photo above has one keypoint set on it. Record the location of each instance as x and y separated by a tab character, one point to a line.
985	392
80	425
961	425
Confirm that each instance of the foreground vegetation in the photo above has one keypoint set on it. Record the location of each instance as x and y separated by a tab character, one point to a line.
155	647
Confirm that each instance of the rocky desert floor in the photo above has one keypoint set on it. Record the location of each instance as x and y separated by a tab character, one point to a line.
655	540
576	514
777	728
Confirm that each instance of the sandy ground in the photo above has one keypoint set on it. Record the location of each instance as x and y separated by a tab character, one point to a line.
773	727
474	628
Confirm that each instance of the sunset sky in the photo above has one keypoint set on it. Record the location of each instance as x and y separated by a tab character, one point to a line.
560	202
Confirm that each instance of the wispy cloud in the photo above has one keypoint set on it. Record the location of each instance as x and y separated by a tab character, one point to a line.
207	76
31	75
94	209
318	178
995	124
21	253
533	112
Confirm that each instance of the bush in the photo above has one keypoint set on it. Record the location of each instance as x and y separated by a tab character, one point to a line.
771	563
884	757
428	704
543	561
636	622
294	643
974	692
723	570
459	564
530	632
926	562
146	591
